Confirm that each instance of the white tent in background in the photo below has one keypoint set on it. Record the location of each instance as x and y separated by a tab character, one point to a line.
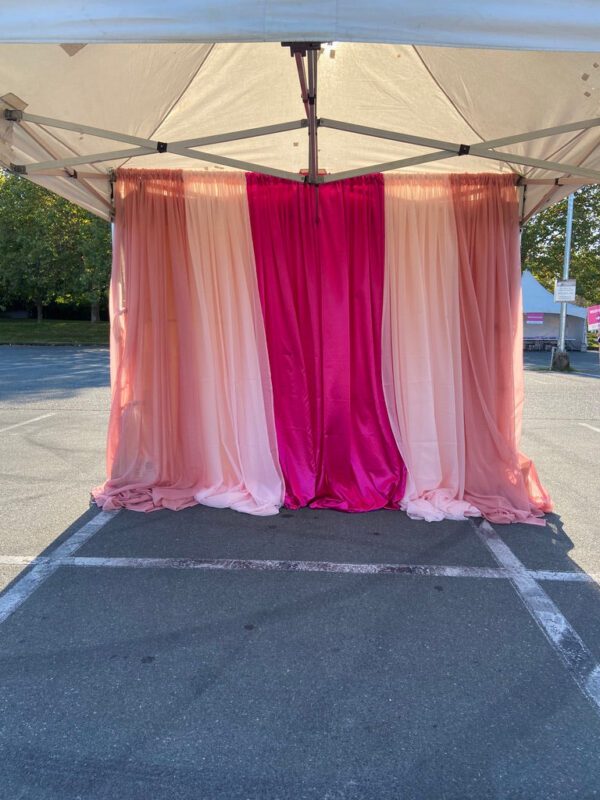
541	316
500	85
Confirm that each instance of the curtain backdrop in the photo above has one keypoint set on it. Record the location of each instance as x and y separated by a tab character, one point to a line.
191	416
320	261
422	370
264	331
499	480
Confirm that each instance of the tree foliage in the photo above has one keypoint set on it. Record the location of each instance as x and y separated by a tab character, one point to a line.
543	244
50	249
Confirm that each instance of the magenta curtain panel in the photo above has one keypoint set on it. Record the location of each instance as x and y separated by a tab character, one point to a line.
192	414
320	261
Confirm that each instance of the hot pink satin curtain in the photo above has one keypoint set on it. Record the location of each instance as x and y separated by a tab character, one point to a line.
422	366
320	262
499	480
191	416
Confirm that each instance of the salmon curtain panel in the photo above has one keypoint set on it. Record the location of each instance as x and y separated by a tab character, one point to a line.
499	479
356	346
192	412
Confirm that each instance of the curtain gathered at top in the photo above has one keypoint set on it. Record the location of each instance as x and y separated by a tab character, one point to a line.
191	415
320	261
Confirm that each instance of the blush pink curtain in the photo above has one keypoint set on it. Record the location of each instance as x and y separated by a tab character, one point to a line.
422	368
499	480
320	262
191	415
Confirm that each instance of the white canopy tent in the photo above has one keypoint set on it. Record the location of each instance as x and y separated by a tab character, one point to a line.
539	301
205	85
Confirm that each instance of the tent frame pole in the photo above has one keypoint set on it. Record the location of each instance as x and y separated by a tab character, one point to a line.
313	150
479	149
148	146
308	92
301	50
15	115
379	133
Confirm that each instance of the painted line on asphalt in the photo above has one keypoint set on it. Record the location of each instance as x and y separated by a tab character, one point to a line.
278	565
27	422
591	427
24	587
561	635
564	577
273	565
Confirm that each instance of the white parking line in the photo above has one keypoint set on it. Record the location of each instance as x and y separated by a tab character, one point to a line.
273	565
279	565
24	587
591	427
565	640
27	422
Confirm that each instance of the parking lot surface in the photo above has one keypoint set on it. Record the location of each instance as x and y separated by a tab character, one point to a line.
316	654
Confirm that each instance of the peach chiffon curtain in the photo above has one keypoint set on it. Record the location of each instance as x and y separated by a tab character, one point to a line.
452	347
192	413
422	372
499	479
421	345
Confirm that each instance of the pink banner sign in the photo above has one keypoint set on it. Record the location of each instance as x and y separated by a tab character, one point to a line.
534	318
594	318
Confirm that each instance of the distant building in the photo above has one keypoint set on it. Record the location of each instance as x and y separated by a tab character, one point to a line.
541	317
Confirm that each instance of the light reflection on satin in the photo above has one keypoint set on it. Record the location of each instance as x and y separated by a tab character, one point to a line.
321	286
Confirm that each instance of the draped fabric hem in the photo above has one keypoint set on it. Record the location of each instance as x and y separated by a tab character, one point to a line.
142	498
438	504
239	499
155	498
350	506
499	511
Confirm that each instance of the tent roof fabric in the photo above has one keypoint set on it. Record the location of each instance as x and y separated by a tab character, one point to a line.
510	24
537	298
224	78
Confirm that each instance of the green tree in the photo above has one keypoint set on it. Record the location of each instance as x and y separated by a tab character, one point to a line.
543	244
50	249
92	278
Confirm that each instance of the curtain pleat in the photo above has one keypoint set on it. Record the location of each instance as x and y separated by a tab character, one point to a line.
191	413
320	262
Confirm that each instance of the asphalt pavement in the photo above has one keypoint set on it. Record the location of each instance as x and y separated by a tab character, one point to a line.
206	654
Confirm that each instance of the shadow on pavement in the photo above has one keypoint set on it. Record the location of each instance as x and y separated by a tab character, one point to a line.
30	373
167	683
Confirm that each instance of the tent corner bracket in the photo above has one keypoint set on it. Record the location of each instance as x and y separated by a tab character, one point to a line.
301	47
13	115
